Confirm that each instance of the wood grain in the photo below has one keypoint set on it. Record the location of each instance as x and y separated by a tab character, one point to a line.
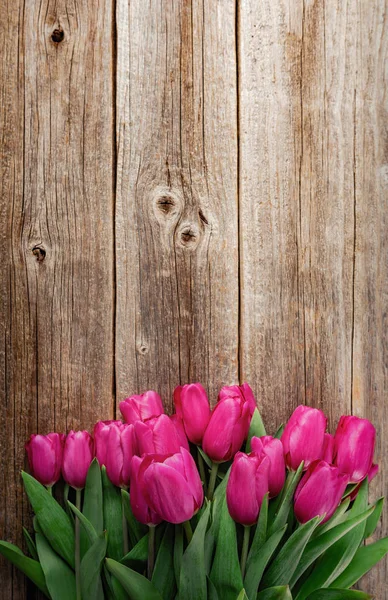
176	206
56	114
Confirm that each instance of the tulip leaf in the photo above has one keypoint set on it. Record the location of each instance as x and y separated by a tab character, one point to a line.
30	544
225	572
91	564
53	520
280	592
66	490
242	595
86	524
92	507
279	431
137	557
339	517
216	511
113	589
112	517
338	594
134	584
256	428
136	530
192	582
205	457
281	516
365	558
178	552
261	530
320	544
374	518
163	576
211	590
30	567
60	579
258	561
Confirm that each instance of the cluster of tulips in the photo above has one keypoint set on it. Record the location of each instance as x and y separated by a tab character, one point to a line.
263	515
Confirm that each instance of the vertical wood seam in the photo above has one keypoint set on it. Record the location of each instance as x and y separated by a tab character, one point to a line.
114	196
239	232
354	248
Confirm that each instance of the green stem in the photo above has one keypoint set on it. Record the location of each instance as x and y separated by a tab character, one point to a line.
125	528
188	531
202	471
212	482
50	490
244	551
151	551
78	494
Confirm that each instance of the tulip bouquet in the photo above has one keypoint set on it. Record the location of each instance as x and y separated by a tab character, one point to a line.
201	505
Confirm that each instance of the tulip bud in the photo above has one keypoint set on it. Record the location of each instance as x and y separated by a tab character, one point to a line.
171	485
354	447
243	391
141	407
139	505
273	449
328	448
303	436
228	428
160	435
115	444
247	486
192	407
45	457
319	491
77	456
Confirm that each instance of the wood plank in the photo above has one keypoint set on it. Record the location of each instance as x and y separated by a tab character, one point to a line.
57	284
176	207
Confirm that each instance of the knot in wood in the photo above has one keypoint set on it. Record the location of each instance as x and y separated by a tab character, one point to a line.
39	252
188	236
57	35
165	204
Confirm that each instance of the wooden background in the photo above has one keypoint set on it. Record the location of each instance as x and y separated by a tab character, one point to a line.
190	190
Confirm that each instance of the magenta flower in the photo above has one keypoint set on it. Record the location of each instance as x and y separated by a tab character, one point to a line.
354	447
328	448
115	445
273	449
192	407
141	407
77	456
303	436
160	435
139	505
247	486
243	391
45	457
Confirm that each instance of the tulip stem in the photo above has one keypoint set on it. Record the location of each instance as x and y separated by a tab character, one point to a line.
188	531
77	545
151	551
50	489
202	471
244	551
125	528
212	482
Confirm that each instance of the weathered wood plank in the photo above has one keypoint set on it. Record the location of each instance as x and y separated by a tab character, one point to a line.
176	218
57	288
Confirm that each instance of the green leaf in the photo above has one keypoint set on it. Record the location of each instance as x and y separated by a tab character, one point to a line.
339	516
163	576
285	563
134	584
53	520
66	490
279	431
91	564
372	521
283	510
320	544
112	517
225	572
178	552
261	530
192	582
30	544
280	592
211	590
242	595
92	507
136	530
60	579
205	457
256	428
324	594
257	562
365	558
137	557
86	524
30	567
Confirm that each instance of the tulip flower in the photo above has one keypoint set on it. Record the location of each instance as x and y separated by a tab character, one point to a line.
354	447
303	436
161	435
141	407
77	455
192	407
243	391
227	429
247	486
319	491
139	505
171	485
177	422
328	448
45	457
273	449
115	445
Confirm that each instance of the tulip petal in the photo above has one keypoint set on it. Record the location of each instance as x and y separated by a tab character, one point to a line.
241	496
162	483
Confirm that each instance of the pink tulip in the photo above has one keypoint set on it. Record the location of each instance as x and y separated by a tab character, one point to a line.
243	391
139	506
303	436
328	448
141	407
354	447
171	485
160	435
228	428
177	422
273	448
247	486
115	444
45	457
319	491
192	407
77	456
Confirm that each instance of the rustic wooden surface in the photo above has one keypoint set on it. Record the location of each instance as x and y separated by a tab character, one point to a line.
190	190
